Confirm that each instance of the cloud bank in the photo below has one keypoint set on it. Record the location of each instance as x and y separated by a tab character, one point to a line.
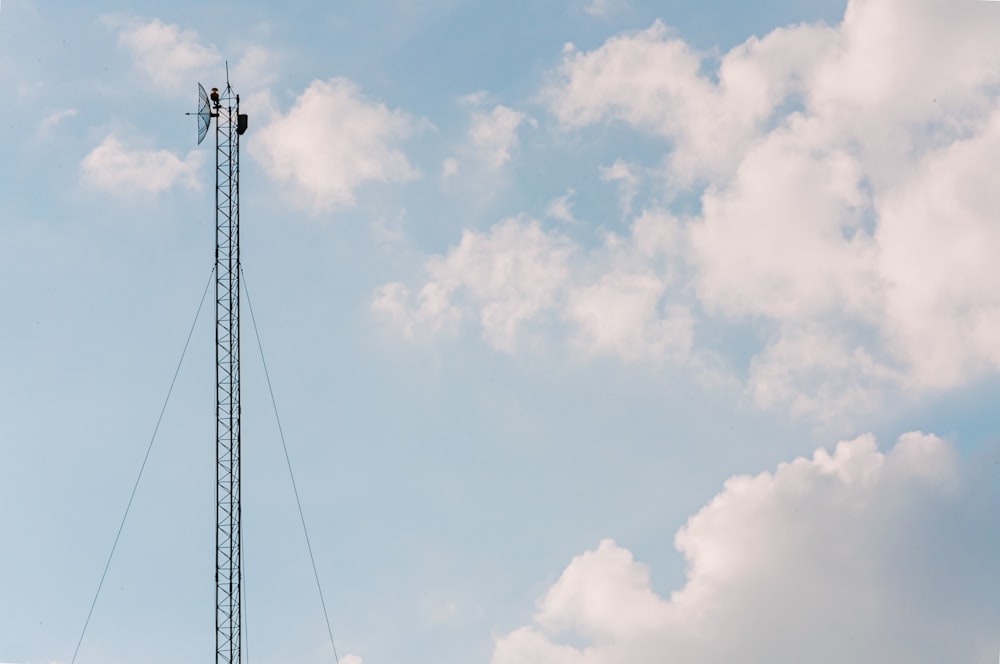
843	178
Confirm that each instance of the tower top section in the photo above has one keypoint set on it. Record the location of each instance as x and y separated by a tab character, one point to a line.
215	104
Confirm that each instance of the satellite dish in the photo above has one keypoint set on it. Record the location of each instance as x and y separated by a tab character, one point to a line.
204	113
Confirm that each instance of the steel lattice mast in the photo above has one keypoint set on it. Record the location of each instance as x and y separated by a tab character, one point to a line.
230	125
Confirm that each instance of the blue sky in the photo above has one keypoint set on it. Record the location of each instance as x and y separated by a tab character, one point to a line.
601	330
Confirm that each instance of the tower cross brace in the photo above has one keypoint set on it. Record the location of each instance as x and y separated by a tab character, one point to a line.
228	532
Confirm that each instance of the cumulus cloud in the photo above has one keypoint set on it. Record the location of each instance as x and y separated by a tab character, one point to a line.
518	279
781	239
843	177
652	79
852	556
934	235
116	167
506	278
331	141
171	57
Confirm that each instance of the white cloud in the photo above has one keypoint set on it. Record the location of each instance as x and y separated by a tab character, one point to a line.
782	239
507	278
256	69
477	99
520	281
330	142
936	235
854	556
620	316
561	208
53	119
604	7
654	81
431	314
493	135
390	231
628	183
118	168
172	58
844	177
449	167
819	375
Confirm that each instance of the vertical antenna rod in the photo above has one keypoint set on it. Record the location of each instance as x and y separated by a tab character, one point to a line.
230	125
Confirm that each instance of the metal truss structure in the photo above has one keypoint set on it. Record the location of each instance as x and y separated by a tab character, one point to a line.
230	125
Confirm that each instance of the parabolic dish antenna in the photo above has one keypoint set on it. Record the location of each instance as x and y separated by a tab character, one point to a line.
204	113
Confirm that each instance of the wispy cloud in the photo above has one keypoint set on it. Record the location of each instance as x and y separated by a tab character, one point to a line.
604	7
50	121
561	208
493	134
